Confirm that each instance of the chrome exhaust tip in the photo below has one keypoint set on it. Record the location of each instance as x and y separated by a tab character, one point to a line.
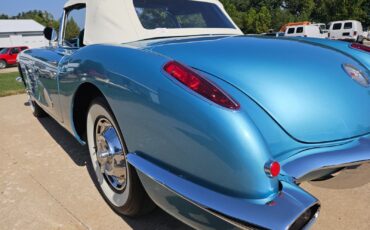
307	219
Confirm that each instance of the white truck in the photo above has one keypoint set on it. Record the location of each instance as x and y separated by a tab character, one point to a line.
312	31
350	30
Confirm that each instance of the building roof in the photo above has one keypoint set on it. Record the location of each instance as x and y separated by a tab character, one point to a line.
19	25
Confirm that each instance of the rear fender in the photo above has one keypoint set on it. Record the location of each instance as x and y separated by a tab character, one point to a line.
176	128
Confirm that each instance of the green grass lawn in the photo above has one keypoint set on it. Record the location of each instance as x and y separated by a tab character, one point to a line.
8	84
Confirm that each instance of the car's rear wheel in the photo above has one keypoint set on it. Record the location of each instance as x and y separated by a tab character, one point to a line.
116	180
2	64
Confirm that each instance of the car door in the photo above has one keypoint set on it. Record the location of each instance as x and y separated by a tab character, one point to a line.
12	55
347	32
300	31
336	30
48	62
45	70
4	54
71	41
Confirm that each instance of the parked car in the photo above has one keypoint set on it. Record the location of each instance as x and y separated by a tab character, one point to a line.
350	30
188	113
8	56
305	31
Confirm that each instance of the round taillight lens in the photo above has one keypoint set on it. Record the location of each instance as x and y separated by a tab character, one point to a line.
272	168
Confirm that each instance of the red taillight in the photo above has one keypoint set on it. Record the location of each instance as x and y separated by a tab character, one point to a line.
198	84
272	168
360	47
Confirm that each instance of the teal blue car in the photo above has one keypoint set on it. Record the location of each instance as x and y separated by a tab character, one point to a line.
182	111
357	51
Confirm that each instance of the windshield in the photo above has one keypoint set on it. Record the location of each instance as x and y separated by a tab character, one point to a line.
3	50
180	14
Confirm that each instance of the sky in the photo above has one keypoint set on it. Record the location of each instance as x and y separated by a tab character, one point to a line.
13	7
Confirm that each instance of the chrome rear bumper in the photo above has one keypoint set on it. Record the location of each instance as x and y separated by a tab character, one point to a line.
298	167
291	205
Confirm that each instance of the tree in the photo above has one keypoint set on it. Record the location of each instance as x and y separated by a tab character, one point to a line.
280	17
4	16
72	29
42	17
249	21
301	9
252	16
235	14
263	20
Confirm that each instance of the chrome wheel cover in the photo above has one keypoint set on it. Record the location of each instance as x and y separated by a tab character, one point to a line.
110	154
2	65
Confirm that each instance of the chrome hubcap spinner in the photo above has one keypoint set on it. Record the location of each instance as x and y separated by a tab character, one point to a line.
110	154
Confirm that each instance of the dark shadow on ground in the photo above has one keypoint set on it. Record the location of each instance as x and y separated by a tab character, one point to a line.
349	178
157	220
78	153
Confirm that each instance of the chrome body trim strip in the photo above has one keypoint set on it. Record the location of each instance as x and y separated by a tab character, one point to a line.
282	211
302	166
312	221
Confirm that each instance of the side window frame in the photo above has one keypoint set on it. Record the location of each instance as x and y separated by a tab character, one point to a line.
15	49
291	29
348	28
300	30
63	25
340	28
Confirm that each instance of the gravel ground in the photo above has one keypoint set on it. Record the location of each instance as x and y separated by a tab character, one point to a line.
44	183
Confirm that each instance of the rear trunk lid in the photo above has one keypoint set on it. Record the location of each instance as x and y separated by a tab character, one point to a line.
302	86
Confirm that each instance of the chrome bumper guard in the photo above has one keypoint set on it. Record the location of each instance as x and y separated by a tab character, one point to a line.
287	211
357	154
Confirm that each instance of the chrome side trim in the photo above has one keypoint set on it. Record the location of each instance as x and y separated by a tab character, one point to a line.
302	166
281	212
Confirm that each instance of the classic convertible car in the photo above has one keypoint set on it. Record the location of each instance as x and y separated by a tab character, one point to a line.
180	109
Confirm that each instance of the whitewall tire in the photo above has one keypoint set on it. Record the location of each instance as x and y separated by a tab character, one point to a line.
116	180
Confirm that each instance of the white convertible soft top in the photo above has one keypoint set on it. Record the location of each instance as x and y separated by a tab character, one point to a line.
116	21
